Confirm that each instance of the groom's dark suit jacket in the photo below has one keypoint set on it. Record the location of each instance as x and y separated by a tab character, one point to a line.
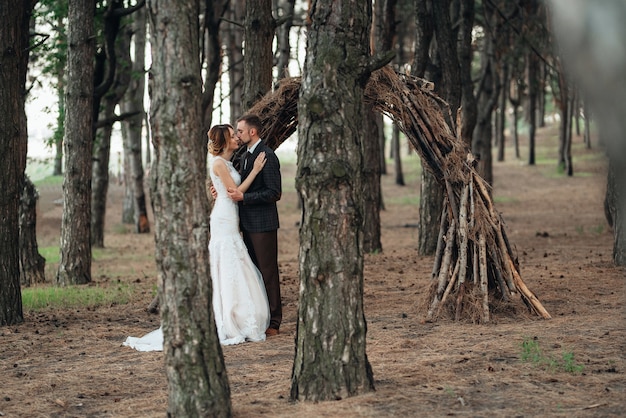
258	211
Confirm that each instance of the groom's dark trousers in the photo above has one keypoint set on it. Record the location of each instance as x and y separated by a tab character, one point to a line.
263	249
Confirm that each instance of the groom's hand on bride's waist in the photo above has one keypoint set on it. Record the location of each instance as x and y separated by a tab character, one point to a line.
235	194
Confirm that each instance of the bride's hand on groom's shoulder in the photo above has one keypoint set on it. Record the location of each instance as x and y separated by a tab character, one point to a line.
259	162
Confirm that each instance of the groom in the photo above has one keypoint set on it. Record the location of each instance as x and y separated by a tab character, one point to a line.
258	214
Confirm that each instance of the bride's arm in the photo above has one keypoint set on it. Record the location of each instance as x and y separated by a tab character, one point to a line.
220	169
259	163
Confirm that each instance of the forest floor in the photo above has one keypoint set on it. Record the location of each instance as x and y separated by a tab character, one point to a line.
71	362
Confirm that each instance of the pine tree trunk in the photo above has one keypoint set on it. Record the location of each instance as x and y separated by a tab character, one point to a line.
234	44
75	262
135	196
614	200
102	147
213	57
194	365
14	38
285	11
330	361
372	192
431	198
32	263
258	58
100	177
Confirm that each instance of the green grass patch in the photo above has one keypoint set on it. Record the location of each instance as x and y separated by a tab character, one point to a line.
49	181
51	254
413	200
532	353
36	299
504	199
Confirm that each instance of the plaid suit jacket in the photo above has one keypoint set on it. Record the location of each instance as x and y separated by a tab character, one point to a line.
258	211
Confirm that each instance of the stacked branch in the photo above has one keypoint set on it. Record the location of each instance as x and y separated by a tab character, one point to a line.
474	268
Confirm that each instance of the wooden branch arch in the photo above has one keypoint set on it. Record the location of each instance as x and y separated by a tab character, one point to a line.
474	267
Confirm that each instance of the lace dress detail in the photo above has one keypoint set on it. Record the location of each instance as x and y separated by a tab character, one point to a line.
239	298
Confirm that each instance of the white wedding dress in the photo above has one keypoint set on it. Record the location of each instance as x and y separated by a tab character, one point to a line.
240	303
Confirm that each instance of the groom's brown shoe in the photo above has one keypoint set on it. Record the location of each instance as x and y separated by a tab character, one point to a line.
271	332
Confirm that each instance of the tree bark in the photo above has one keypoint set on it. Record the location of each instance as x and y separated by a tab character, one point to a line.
330	361
132	129
532	63
32	263
75	262
285	11
194	365
257	58
234	49
614	200
372	192
488	94
468	100
102	147
212	56
14	38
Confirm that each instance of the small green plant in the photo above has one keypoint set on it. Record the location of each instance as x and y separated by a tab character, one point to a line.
39	298
569	363
449	391
598	229
531	352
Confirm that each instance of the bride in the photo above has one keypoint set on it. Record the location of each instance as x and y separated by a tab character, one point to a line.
239	300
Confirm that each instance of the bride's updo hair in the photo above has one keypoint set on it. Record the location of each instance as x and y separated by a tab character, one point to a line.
219	135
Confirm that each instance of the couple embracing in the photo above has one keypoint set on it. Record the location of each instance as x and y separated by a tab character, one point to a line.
244	265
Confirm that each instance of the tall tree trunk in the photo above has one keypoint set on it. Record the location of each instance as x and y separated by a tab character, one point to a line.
14	38
372	192
75	262
515	101
212	52
587	126
234	44
102	146
487	100
430	213
100	175
60	88
395	152
532	80
501	114
135	207
330	360
615	199
430	194
32	263
257	58
285	11
194	365
448	87
468	100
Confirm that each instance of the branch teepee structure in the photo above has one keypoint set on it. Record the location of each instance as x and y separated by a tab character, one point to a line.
474	266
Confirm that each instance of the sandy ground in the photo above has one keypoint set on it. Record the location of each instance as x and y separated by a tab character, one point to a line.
70	362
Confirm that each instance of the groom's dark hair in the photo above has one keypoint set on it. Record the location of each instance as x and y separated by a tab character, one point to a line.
252	121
